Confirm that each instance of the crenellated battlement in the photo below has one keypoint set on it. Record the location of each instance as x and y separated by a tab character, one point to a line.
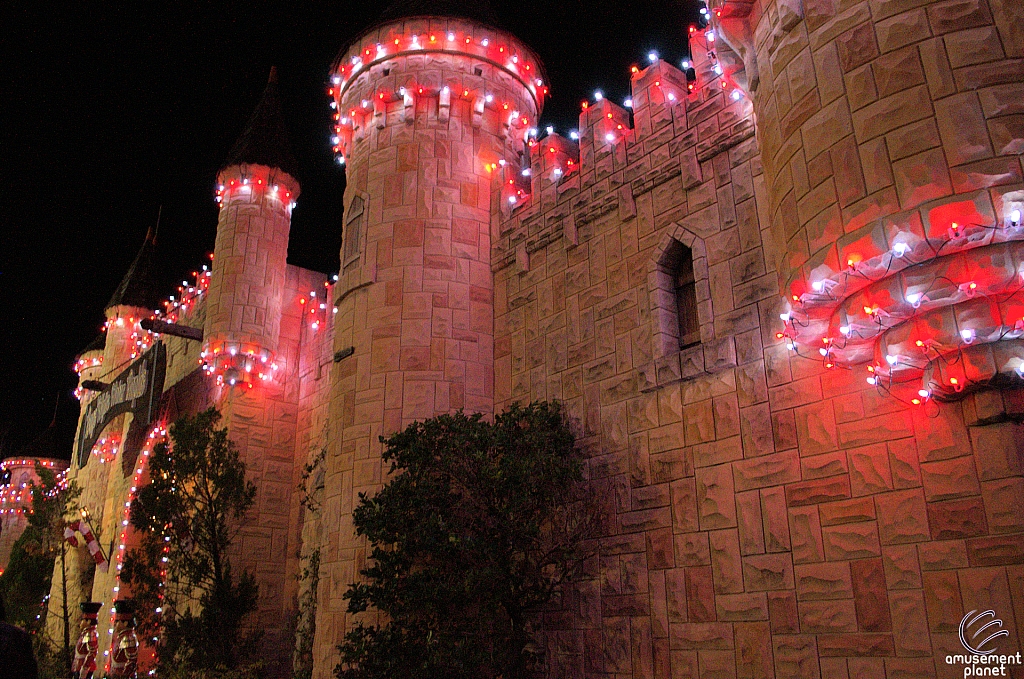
428	71
678	120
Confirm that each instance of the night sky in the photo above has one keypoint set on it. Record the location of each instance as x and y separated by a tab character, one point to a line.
108	113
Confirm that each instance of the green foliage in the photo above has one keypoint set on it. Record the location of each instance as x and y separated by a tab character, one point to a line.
476	529
311	490
26	581
27	578
189	514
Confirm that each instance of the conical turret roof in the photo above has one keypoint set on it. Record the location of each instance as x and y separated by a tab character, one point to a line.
265	138
139	286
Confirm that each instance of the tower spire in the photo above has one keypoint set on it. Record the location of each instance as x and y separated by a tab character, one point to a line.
264	141
139	288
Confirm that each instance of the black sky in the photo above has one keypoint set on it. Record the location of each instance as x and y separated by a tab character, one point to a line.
107	113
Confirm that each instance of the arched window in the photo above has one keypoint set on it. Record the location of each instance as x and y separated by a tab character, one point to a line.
353	229
678	264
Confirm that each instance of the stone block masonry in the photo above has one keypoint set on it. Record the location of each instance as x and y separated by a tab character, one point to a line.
770	518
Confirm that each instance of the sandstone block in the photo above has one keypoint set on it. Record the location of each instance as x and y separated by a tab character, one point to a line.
782	611
742	607
749	523
716	504
942	601
1003	499
818	491
910	623
768	572
902	570
995	551
820	581
805	535
725	561
796	656
767	470
851	541
827	616
957	518
775	520
902	517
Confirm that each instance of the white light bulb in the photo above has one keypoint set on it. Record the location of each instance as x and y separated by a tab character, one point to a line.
710	36
549	129
574	135
558	172
924	393
817	286
967	336
489	98
451	36
609	137
628	103
890	359
598	95
485	42
512	200
1015	217
336	80
526	172
718	69
900	249
844	330
785	316
652	56
914	298
871	381
736	95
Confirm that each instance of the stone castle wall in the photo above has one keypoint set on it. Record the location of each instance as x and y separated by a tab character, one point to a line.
767	517
424	108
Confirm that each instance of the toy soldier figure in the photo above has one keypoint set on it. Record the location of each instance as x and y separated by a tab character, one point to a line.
124	663
84	665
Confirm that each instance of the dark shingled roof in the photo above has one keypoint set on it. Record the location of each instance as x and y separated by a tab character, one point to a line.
265	138
477	10
98	343
44	445
139	286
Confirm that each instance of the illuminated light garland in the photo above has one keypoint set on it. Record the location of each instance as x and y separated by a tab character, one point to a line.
946	309
84	363
107	448
157	435
17	500
248	187
237	363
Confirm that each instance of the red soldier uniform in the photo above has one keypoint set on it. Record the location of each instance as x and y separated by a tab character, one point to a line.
84	665
125	655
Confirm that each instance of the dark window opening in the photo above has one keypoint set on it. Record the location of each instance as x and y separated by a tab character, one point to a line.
679	265
353	227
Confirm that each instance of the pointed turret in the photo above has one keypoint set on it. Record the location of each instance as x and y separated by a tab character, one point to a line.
256	192
139	288
264	141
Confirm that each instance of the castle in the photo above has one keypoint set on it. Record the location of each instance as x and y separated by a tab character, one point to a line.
780	294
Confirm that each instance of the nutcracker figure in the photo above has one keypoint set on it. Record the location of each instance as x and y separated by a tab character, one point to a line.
84	665
125	653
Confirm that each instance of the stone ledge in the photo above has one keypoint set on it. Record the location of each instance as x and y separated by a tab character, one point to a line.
707	358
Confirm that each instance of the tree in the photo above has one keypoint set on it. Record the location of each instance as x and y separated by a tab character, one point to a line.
478	526
186	519
25	583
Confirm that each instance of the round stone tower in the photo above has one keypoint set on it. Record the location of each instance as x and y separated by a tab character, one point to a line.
256	192
430	113
891	133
